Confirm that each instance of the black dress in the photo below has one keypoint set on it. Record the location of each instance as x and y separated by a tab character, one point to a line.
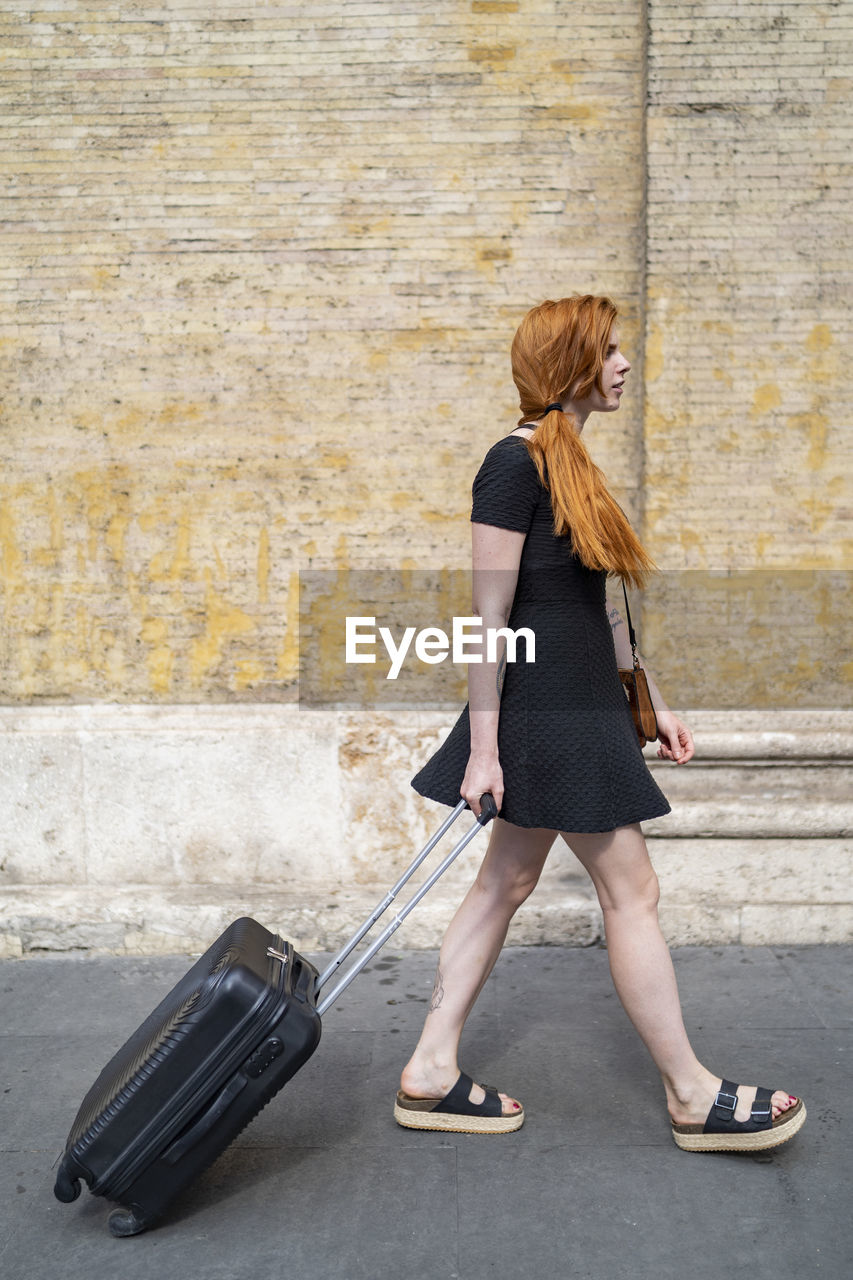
566	740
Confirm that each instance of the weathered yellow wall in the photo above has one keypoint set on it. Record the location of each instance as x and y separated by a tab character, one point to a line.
748	456
262	269
749	248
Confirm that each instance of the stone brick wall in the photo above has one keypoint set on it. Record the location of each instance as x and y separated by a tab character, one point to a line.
145	829
263	264
749	277
748	460
262	268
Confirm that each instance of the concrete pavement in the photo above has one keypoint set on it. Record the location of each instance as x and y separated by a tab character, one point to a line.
324	1186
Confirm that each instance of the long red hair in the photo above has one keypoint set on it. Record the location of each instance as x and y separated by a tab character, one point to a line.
558	352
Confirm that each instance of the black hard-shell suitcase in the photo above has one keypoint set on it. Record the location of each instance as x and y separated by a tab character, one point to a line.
221	1044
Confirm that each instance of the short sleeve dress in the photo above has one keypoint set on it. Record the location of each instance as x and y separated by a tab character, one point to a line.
566	740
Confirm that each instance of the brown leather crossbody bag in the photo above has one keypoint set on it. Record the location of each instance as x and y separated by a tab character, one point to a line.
637	688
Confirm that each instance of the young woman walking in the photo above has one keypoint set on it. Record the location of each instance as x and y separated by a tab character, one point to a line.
554	742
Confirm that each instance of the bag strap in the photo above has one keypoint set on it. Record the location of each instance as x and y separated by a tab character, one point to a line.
631	635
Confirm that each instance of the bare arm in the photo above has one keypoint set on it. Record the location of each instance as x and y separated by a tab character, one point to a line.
496	554
621	643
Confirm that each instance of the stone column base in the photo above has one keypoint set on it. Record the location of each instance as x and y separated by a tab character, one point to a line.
144	830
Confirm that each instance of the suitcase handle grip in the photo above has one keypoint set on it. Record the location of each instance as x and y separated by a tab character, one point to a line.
206	1121
488	808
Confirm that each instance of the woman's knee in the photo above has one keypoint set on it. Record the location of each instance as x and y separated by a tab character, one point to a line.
513	864
619	866
509	885
636	892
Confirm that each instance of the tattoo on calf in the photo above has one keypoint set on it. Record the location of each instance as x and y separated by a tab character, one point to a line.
437	991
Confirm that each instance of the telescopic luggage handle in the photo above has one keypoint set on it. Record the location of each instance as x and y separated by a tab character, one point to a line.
488	810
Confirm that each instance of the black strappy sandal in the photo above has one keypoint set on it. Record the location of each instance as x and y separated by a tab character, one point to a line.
721	1132
455	1113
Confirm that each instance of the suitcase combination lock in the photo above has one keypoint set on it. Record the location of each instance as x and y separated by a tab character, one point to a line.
257	1064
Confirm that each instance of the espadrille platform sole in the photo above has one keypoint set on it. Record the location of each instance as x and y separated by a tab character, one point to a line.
410	1118
456	1113
749	1137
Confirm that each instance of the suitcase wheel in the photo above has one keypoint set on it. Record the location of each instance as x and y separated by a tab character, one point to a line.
66	1188
124	1222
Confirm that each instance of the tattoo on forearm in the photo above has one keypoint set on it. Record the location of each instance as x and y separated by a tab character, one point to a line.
499	679
437	991
615	619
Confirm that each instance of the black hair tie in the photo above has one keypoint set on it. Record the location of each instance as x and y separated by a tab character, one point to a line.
555	405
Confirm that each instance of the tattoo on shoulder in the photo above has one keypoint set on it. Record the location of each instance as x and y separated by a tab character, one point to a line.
615	619
437	991
501	676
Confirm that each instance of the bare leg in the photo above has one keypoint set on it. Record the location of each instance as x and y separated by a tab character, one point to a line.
641	966
508	875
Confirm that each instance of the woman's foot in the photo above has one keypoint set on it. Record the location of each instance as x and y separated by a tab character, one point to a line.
459	1110
420	1081
692	1103
773	1119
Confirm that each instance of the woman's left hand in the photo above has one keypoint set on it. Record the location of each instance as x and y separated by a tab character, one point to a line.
676	740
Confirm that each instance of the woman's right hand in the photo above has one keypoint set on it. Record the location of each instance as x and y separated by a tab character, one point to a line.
483	774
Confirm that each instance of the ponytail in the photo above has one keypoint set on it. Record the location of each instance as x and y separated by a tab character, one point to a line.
583	507
559	350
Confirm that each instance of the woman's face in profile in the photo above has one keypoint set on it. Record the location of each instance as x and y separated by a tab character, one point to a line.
612	378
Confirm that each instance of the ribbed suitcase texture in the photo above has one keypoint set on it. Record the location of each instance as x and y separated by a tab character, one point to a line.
228	1036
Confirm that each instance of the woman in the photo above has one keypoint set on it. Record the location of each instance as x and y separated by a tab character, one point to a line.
553	741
